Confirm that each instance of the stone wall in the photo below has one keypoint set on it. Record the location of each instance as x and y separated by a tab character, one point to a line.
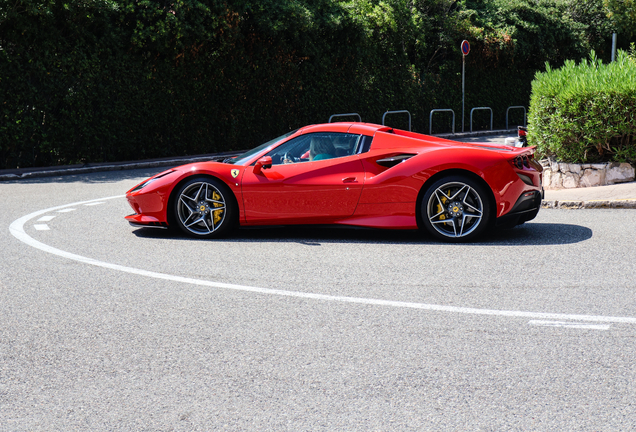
558	175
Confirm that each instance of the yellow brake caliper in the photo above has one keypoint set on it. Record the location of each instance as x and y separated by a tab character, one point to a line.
216	214
439	207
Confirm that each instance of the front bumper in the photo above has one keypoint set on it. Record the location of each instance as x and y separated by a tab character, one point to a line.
138	220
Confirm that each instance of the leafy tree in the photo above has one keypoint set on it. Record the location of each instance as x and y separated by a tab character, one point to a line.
623	15
106	80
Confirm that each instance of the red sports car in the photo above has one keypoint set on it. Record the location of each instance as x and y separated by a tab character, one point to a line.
349	174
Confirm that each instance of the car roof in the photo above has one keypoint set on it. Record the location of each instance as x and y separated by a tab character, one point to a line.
346	127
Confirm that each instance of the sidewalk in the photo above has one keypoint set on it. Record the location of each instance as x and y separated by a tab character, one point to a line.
622	195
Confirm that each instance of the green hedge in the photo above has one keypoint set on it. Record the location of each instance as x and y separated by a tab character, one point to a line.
586	112
112	80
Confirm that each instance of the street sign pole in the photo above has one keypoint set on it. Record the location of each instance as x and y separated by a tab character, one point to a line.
465	46
463	91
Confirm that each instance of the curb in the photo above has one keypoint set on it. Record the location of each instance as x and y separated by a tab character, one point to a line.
119	166
592	204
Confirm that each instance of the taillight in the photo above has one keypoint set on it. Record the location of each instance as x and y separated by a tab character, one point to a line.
521	161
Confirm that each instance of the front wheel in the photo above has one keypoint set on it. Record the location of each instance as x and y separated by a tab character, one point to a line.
203	208
456	208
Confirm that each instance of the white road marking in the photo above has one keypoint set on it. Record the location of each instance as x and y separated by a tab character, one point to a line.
46	218
17	230
41	227
95	203
66	210
569	325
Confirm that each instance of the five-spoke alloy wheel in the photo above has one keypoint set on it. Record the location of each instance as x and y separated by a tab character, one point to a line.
204	208
456	208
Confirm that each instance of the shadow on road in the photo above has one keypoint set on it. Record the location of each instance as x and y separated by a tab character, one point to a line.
529	234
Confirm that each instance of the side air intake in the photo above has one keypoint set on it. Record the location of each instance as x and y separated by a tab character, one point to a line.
393	160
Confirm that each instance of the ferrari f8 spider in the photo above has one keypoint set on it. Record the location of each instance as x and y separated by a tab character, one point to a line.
356	174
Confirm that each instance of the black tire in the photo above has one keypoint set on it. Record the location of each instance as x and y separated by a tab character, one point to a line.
203	207
456	208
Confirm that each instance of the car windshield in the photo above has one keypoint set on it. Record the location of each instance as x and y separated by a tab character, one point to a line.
241	159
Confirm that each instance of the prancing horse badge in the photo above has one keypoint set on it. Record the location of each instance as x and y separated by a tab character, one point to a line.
235	173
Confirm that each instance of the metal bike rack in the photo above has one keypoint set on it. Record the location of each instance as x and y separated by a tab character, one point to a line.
514	107
480	108
346	115
398	112
430	119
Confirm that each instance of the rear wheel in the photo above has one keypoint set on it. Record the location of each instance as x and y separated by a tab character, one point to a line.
456	208
204	208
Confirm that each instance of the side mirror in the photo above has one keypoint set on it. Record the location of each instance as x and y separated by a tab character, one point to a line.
263	163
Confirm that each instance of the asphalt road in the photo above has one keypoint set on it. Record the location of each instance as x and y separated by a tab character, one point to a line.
108	327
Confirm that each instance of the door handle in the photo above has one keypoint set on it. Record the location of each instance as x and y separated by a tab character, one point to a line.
350	180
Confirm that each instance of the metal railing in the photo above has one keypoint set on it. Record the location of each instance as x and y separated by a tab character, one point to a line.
430	131
398	112
430	119
480	108
346	115
515	107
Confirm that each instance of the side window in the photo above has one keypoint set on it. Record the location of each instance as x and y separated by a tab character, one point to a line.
315	147
293	150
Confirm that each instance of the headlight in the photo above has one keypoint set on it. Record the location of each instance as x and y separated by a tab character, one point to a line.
147	182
